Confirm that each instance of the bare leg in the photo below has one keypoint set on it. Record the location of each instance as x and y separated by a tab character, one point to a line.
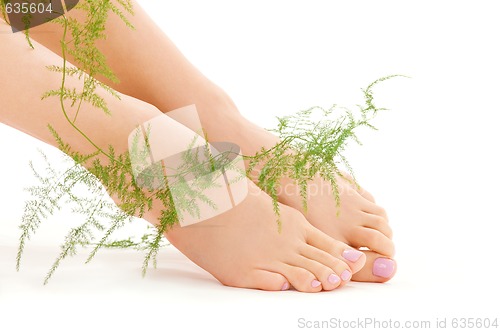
361	222
240	248
137	56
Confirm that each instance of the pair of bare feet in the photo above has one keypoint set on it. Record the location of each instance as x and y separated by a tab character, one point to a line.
315	251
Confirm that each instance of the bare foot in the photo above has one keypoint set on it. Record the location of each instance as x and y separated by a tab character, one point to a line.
243	248
360	222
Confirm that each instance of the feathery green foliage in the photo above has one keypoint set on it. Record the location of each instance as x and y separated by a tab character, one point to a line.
26	20
2	10
308	148
313	143
79	40
101	216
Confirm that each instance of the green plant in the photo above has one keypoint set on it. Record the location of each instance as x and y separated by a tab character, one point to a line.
308	147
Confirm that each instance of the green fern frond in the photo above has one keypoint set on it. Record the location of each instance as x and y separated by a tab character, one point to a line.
314	147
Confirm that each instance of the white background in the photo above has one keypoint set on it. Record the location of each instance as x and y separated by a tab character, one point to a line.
433	165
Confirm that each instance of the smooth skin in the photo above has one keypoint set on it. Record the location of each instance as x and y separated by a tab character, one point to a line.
360	223
241	248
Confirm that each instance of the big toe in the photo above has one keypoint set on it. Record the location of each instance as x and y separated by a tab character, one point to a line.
378	268
372	239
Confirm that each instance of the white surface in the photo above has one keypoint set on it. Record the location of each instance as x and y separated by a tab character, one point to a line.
433	165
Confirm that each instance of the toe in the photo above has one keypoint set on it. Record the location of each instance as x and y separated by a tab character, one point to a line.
378	268
302	279
265	280
378	223
366	194
325	268
362	191
370	207
374	240
355	259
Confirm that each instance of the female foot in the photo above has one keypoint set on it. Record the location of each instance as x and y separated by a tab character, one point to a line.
243	248
181	84
359	221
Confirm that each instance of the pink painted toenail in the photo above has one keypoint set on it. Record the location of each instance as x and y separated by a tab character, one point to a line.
346	275
333	279
384	267
315	283
352	255
285	287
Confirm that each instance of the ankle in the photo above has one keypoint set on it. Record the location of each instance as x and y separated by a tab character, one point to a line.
220	117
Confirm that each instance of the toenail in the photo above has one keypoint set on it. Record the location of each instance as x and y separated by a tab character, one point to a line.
285	287
384	267
346	275
315	283
333	279
352	255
